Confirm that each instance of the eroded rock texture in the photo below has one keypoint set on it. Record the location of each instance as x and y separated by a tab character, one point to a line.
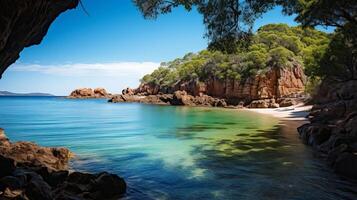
29	171
277	87
275	83
86	93
24	23
333	125
178	98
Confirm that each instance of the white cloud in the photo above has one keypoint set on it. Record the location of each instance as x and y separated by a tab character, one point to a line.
115	69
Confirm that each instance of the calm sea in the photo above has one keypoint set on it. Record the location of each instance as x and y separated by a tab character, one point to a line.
166	152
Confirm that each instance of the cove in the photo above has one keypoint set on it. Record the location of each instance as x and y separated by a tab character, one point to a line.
167	152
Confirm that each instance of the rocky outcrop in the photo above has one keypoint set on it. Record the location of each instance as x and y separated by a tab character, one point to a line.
333	125
161	99
182	98
276	84
128	91
178	98
28	153
28	171
87	93
264	103
25	23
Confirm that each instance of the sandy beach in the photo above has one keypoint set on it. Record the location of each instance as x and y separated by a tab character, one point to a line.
297	112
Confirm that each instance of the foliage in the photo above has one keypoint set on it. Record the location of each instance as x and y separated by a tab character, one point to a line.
312	85
228	22
274	45
340	60
326	12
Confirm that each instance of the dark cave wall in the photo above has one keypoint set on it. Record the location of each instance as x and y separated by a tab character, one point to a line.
24	23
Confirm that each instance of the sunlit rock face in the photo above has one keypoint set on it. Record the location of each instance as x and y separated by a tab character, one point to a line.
85	93
25	23
274	84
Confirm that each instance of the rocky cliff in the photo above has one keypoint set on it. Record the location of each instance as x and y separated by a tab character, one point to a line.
273	87
333	125
24	23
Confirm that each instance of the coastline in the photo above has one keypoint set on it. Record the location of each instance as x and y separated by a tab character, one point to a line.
297	112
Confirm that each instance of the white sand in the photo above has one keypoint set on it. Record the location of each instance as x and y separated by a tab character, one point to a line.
297	112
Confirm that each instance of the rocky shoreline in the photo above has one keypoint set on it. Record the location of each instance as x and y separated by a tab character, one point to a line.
274	88
29	171
183	98
332	130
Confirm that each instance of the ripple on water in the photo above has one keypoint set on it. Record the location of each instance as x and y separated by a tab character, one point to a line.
178	152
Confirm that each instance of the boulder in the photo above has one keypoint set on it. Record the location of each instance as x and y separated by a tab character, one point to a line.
37	188
128	91
100	93
31	154
86	93
333	125
107	185
7	166
40	175
82	93
286	102
92	186
181	98
11	182
263	103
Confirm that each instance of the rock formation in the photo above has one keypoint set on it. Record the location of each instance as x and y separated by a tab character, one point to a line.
25	23
28	171
86	93
178	98
277	87
333	125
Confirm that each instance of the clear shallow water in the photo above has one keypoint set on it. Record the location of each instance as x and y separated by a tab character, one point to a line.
178	152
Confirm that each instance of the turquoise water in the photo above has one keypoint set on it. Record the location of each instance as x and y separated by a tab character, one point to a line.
168	152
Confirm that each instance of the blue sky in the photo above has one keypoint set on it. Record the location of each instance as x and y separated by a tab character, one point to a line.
112	47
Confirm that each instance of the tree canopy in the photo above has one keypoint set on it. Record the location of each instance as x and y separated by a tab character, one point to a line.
274	45
229	22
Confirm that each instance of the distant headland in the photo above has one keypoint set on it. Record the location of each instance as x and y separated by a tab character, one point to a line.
7	93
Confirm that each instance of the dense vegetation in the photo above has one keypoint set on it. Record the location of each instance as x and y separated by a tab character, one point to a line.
229	22
274	45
